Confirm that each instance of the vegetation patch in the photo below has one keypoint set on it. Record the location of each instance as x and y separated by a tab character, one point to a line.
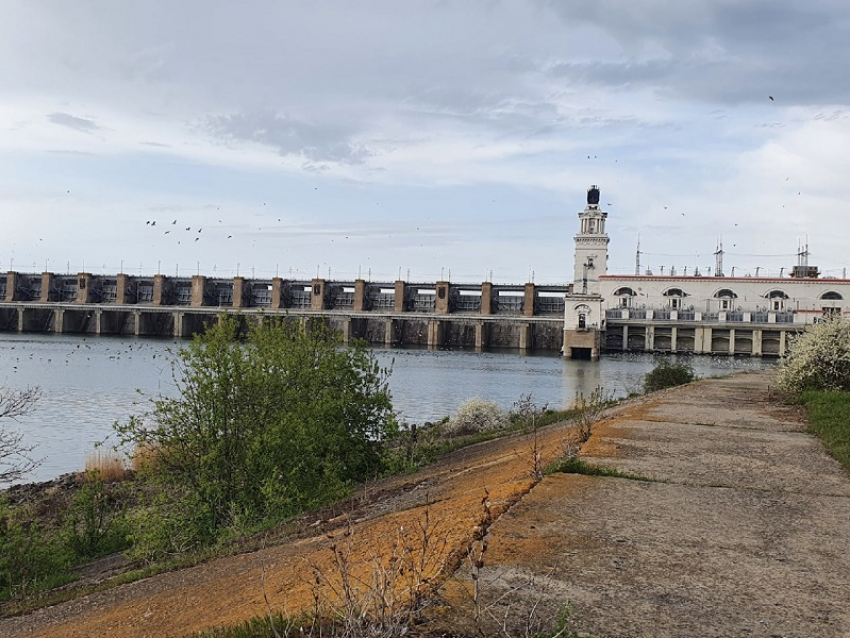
573	465
265	427
667	374
829	416
818	358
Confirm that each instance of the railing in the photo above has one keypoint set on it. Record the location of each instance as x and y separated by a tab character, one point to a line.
665	314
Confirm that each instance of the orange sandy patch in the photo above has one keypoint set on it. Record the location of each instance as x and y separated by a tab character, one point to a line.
230	590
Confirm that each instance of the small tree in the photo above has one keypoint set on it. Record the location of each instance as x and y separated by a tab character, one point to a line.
15	459
264	427
818	359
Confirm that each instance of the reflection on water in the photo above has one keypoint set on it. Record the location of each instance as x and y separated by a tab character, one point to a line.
90	382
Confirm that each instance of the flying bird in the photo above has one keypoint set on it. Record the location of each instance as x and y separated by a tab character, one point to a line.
771	98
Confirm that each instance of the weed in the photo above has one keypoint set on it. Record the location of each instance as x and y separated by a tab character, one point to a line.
573	465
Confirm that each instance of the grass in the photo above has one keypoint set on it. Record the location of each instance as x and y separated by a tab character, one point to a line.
431	442
107	464
829	416
573	465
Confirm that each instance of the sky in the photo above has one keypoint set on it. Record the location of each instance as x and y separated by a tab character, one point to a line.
421	139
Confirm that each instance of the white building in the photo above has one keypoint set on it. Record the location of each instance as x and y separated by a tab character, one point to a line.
680	313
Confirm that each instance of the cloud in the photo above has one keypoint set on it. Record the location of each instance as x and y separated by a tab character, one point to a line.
319	143
732	52
77	123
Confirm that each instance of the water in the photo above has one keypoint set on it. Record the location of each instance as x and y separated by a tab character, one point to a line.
88	383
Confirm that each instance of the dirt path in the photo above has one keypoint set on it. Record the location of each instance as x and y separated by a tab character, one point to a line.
742	532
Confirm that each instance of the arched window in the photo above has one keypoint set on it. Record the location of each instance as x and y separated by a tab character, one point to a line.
582	316
831	295
674	296
777	299
726	296
625	294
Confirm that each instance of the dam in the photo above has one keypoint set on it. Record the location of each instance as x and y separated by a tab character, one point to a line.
435	314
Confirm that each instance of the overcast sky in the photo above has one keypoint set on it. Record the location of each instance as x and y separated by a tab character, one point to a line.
435	138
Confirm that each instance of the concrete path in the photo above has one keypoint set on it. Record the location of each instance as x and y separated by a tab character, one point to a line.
743	529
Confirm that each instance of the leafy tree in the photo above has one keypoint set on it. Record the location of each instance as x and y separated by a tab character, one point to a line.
818	358
266	426
15	459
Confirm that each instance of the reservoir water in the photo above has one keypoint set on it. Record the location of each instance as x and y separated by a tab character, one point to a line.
88	383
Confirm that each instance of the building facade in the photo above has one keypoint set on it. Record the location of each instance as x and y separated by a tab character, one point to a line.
687	314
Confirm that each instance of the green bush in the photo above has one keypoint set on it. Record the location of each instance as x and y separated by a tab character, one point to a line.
95	524
667	374
31	558
263	428
818	358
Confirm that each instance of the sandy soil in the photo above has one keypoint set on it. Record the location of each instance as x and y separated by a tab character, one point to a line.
742	531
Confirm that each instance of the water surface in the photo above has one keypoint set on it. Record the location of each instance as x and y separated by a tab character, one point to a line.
88	383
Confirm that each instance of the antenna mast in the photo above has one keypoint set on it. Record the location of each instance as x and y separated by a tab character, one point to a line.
637	257
718	259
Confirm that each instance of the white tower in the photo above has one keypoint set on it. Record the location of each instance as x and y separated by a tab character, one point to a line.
591	242
584	322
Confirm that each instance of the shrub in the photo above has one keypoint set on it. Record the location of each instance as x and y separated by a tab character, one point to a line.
667	374
818	358
95	524
264	427
31	558
477	415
